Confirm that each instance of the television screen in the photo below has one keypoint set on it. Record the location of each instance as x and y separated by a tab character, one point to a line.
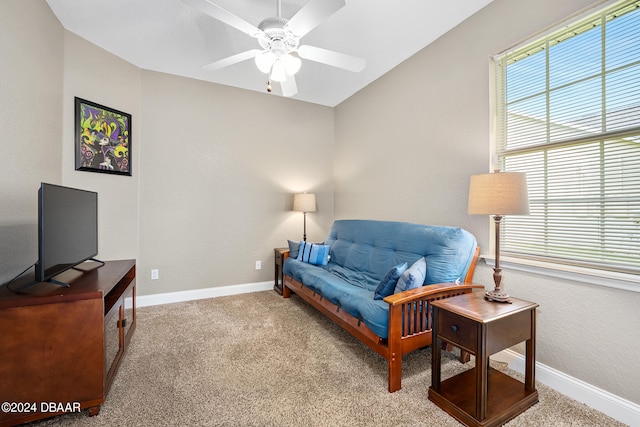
67	229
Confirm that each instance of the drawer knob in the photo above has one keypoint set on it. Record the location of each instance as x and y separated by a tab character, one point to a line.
454	328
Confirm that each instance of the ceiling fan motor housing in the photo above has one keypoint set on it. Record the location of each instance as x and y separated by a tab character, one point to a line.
277	36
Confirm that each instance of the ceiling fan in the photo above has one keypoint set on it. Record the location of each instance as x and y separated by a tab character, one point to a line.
279	39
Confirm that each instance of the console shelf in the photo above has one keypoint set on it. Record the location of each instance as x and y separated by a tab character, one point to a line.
62	346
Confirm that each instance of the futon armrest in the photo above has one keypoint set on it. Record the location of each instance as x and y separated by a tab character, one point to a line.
425	292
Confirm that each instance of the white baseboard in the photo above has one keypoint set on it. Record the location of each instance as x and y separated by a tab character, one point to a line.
614	406
195	294
601	400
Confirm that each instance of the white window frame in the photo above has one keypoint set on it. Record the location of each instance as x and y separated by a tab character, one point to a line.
559	269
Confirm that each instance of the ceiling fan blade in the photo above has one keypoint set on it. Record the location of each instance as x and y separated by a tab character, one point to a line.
329	57
213	10
289	86
312	14
230	60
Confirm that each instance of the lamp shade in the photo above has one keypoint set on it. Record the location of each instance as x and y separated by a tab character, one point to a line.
500	193
304	202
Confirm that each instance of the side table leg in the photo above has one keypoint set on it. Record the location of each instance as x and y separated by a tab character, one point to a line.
436	353
275	278
482	375
530	356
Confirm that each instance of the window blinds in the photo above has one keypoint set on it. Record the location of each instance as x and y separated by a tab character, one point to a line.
568	114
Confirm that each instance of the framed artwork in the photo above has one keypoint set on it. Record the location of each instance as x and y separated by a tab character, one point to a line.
102	138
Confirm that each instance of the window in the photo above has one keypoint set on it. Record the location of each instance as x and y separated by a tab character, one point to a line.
568	114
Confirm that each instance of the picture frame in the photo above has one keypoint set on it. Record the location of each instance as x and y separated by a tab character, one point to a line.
102	138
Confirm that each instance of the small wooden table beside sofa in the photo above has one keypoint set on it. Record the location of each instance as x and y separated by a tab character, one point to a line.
361	255
483	396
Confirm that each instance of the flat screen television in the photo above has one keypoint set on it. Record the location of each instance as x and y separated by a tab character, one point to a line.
67	229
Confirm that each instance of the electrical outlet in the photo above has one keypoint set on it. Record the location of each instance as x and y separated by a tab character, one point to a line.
155	274
258	265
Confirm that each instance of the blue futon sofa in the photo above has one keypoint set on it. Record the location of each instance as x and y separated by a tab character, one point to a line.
376	279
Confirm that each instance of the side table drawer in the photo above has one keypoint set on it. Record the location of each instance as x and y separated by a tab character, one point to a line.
458	330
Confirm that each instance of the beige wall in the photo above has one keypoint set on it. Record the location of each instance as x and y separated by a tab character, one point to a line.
43	67
406	146
91	73
218	170
31	78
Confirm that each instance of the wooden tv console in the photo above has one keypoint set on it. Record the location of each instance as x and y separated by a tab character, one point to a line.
61	347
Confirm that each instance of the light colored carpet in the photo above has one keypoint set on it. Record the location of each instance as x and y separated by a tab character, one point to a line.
260	360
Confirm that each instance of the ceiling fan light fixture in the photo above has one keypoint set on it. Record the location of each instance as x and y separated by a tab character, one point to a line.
264	61
291	63
278	71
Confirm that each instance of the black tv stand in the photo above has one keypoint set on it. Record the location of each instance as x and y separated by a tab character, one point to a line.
84	270
33	287
30	286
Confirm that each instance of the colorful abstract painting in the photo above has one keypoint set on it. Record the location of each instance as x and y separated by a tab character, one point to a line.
103	138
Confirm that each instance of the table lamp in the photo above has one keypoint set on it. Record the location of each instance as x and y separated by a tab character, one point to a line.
498	194
304	202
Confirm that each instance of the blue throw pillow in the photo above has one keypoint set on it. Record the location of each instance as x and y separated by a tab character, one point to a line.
413	277
294	247
313	253
388	282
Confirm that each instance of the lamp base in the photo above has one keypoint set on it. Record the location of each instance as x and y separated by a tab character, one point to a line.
497	296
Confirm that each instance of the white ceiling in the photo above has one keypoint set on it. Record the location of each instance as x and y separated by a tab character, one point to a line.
170	36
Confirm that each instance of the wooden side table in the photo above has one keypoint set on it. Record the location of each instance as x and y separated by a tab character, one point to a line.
483	396
280	255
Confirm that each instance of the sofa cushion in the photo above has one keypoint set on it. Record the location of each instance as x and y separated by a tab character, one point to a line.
413	277
303	272
374	313
358	301
364	249
388	283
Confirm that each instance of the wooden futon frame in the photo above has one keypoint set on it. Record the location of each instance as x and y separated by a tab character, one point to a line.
409	319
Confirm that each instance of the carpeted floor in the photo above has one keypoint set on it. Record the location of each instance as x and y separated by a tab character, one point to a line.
260	360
